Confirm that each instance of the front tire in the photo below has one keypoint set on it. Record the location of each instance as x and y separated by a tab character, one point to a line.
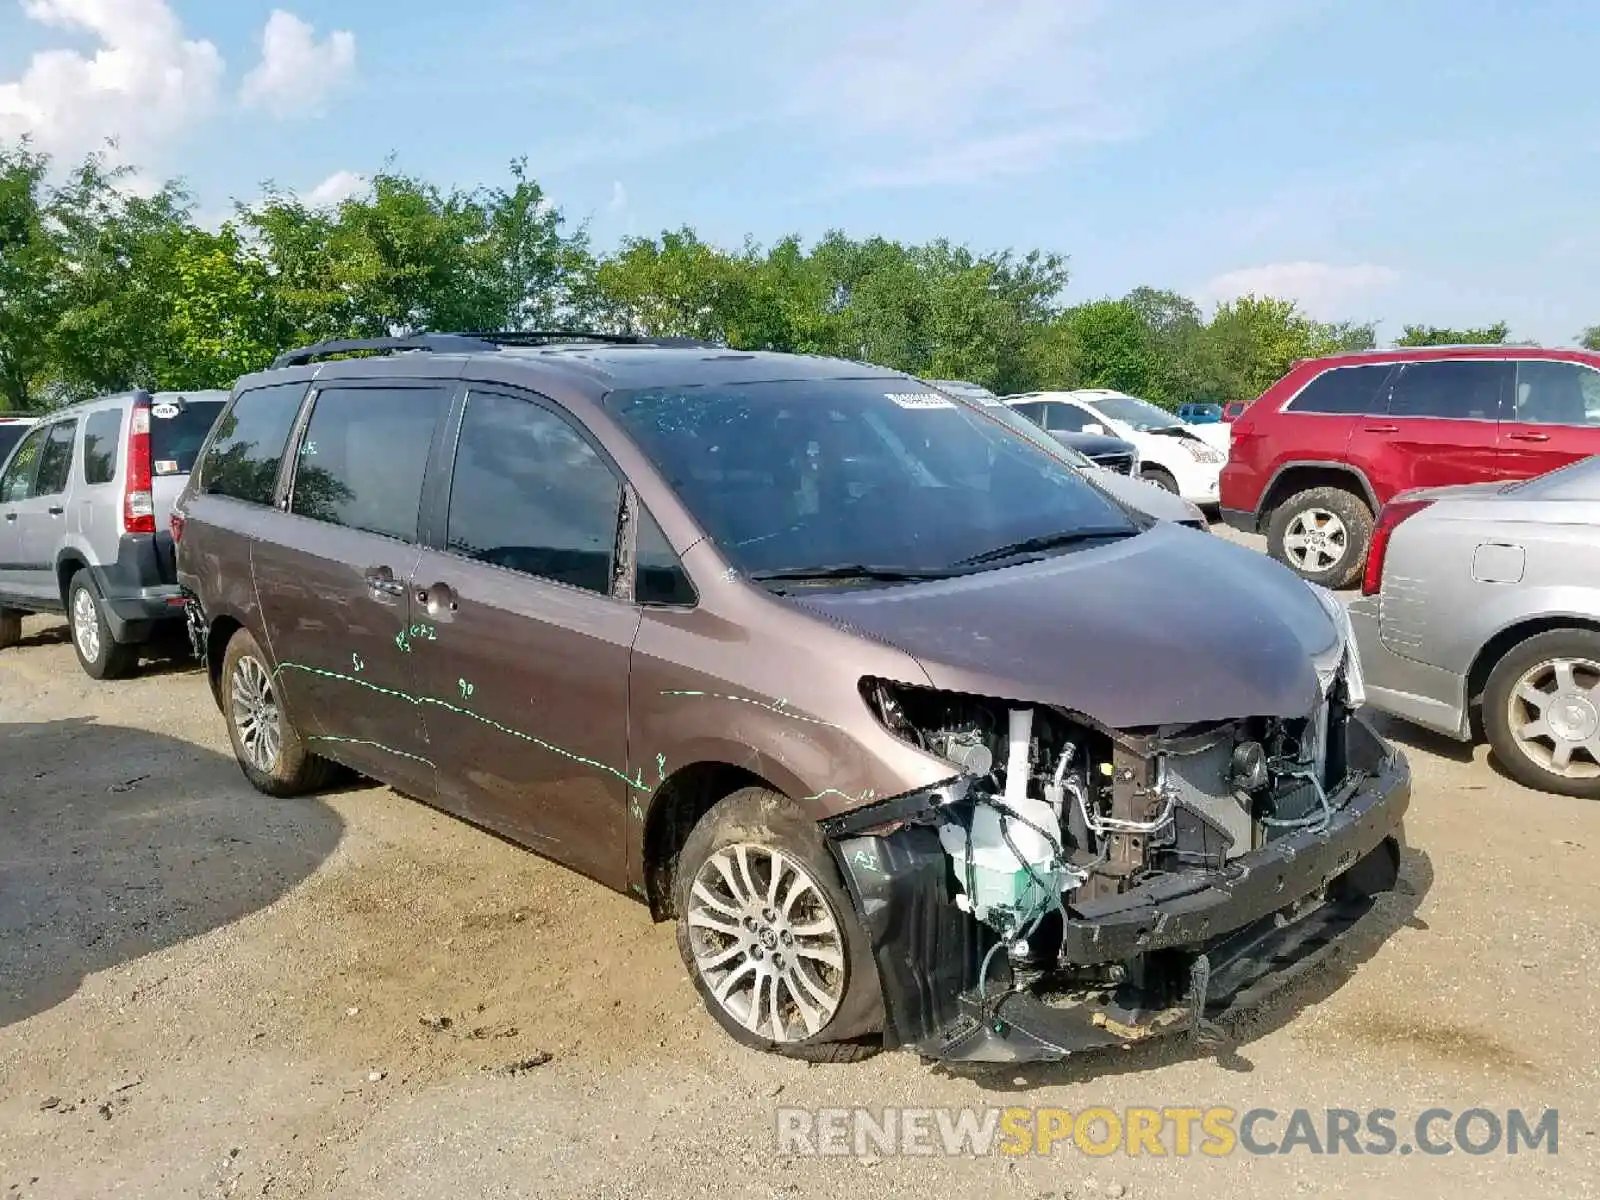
1322	535
1541	712
271	752
769	935
99	654
1161	477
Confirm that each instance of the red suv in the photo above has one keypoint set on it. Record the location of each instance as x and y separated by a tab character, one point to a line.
1323	448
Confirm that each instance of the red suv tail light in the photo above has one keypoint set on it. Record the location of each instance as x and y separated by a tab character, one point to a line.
138	501
1389	517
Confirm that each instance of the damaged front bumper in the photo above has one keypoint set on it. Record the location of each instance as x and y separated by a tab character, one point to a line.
1232	934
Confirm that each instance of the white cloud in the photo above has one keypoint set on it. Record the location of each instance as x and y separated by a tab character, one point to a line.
948	92
619	197
142	86
297	73
1325	290
335	189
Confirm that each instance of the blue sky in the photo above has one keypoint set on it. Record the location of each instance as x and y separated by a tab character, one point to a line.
1403	161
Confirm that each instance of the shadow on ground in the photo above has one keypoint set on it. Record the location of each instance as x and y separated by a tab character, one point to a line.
1301	986
119	842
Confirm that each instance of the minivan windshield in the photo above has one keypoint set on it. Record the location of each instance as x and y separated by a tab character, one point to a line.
1143	416
792	475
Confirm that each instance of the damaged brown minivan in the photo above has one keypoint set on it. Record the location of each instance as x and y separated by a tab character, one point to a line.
921	738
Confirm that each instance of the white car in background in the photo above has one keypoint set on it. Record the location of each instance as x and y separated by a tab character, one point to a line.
1173	454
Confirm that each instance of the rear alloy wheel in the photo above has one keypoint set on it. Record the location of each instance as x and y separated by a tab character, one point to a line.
99	654
769	935
1322	535
1541	710
271	752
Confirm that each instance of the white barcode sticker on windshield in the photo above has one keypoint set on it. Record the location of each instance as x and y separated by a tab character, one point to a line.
920	399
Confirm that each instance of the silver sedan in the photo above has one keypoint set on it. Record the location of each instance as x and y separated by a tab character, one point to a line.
1486	598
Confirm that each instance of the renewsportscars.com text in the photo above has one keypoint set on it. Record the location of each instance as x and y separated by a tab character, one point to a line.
1161	1132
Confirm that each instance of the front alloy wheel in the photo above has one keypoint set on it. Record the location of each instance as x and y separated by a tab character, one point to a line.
766	943
769	935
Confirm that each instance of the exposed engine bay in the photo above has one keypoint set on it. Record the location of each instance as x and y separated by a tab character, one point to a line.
1078	851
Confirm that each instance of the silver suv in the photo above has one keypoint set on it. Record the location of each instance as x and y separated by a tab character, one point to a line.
84	503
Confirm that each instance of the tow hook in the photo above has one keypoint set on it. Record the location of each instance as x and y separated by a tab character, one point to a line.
195	622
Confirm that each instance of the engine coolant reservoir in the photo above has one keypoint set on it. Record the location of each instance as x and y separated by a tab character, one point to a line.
1003	892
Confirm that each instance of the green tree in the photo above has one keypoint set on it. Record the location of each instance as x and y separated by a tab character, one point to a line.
1434	335
1252	342
30	276
1590	338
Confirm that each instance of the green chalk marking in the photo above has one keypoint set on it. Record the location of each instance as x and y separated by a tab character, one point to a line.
637	784
781	707
379	745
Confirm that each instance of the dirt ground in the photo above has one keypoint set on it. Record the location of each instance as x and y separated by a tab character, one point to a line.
207	993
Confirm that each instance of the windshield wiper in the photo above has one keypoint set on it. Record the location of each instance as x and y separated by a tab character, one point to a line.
1048	541
847	571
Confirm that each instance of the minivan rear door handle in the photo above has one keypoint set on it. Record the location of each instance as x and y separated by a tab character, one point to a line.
11	516
1383	429
1529	437
56	510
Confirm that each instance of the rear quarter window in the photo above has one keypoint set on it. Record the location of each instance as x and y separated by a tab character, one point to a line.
10	435
247	450
102	439
1349	391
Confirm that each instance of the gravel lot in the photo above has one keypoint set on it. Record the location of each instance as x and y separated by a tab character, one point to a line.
204	993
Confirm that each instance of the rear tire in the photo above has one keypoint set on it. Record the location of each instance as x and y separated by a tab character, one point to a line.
271	752
813	990
1530	716
99	654
1161	477
1322	535
10	628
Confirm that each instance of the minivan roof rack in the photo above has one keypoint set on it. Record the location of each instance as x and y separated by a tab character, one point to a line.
475	343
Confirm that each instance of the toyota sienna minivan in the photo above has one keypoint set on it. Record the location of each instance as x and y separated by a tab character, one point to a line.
920	737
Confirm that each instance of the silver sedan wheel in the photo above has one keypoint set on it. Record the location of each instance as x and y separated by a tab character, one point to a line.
1554	715
255	714
1315	541
86	625
766	942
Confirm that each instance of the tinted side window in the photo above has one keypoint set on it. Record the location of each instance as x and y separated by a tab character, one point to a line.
1347	391
17	482
531	495
1067	418
1465	389
10	434
102	439
1558	393
364	455
248	445
1033	411
659	577
55	460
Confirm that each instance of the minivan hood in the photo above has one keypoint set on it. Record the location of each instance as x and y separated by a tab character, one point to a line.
1173	626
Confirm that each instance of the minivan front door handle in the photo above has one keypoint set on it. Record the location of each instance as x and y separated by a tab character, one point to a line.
56	510
11	516
1383	429
1529	437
